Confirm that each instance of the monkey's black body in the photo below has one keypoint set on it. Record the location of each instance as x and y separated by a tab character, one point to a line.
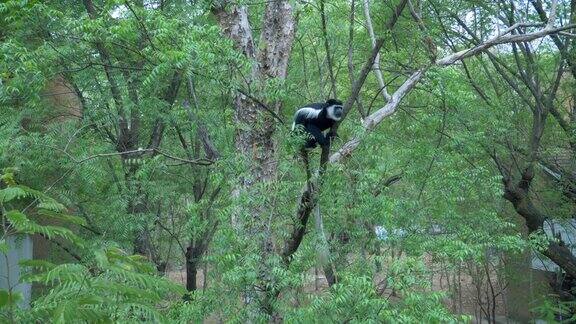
316	118
321	121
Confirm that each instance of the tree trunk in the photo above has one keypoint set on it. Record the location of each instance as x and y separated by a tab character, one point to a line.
556	251
192	258
254	136
254	139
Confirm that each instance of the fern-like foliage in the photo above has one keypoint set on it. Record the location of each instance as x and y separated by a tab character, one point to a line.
109	285
115	287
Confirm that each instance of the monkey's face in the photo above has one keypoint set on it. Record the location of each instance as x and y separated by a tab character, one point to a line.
335	112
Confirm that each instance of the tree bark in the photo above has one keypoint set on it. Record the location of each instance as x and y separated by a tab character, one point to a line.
556	251
376	65
254	140
328	51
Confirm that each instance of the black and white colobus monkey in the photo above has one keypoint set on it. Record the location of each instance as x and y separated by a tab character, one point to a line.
316	118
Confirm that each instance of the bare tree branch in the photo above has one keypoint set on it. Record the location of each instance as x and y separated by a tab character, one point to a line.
376	65
328	51
552	16
351	56
359	82
375	118
503	38
140	151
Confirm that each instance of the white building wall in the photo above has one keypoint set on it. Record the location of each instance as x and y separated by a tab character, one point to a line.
565	230
20	248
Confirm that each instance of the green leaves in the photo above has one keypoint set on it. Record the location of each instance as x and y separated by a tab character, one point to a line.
4	246
15	192
23	224
118	287
446	210
7	298
11	193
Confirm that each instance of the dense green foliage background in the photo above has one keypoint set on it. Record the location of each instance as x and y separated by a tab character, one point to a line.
430	174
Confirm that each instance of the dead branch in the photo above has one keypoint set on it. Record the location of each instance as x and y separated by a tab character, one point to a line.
140	151
390	108
504	38
376	65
